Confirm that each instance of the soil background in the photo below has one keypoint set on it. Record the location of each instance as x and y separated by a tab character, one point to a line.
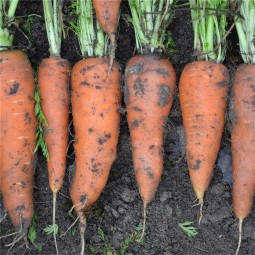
113	220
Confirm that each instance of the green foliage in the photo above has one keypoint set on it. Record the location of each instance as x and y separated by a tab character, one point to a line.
51	229
209	20
41	122
32	235
188	228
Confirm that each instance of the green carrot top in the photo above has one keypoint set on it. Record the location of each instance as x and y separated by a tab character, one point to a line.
91	37
53	22
150	19
209	19
7	12
245	26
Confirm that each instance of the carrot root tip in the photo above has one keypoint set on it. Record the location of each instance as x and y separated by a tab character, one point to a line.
240	227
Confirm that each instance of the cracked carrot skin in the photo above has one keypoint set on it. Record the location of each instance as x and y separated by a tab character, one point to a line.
243	140
53	82
95	101
149	91
203	96
18	136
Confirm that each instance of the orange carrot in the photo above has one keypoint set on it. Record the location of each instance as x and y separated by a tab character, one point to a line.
18	138
53	83
243	142
107	12
53	77
95	100
150	86
149	90
203	92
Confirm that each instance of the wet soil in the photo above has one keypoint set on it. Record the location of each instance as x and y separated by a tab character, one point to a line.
114	219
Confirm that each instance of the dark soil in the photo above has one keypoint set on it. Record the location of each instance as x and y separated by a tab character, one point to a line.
119	210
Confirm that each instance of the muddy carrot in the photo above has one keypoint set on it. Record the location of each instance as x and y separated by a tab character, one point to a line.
53	84
203	94
243	142
18	127
149	90
95	100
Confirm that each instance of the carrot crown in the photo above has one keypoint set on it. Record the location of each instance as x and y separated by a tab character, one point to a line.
245	27
53	22
150	19
209	21
7	12
91	37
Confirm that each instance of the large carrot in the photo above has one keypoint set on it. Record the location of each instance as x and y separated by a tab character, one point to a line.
149	90
18	127
203	94
243	133
107	12
53	83
95	100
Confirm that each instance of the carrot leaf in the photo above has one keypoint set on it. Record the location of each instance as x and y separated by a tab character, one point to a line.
32	235
51	229
188	228
209	21
245	26
91	37
7	12
53	22
150	20
41	122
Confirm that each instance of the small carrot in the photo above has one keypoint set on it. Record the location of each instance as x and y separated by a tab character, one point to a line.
107	12
95	101
53	83
242	137
203	93
149	91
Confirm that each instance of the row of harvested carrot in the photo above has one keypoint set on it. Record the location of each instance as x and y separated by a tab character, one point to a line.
95	100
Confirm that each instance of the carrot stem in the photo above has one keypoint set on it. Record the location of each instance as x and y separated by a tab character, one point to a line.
144	221
90	35
150	19
246	30
6	19
209	27
53	23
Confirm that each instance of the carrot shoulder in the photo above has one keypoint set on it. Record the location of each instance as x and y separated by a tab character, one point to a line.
243	140
95	100
53	82
18	137
149	90
203	93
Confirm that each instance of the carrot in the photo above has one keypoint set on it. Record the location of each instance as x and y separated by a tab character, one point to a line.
53	84
203	94
149	90
18	126
95	100
18	138
242	137
107	12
